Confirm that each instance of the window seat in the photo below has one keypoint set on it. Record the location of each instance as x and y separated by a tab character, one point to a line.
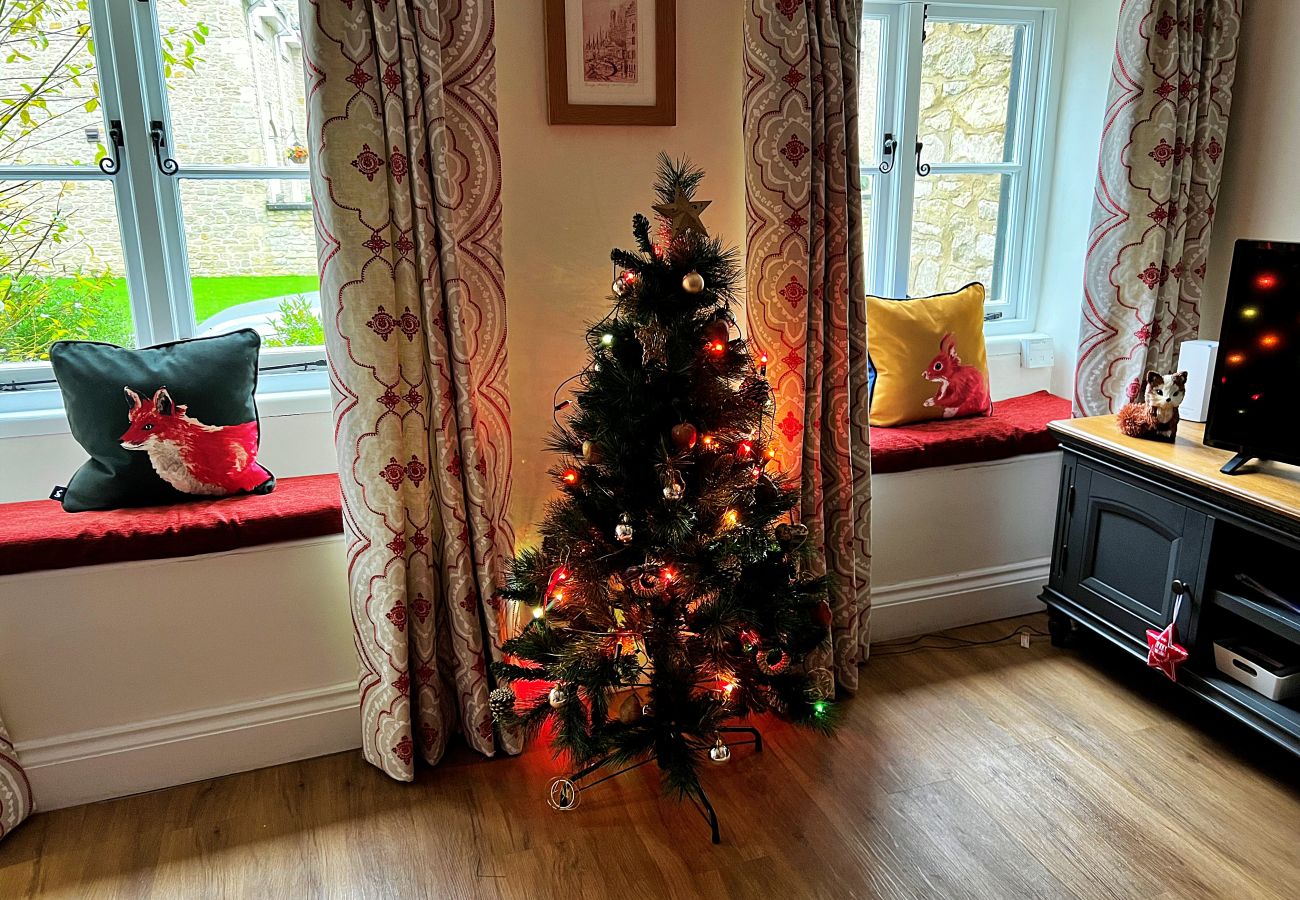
1017	427
38	534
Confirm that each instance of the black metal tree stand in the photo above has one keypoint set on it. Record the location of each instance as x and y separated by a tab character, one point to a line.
566	792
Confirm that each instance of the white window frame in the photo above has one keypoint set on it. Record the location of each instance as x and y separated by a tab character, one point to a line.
128	64
1031	128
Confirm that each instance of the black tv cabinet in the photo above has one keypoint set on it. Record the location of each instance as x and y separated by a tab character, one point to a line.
1140	522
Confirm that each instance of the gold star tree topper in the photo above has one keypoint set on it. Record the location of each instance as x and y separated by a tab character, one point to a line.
683	214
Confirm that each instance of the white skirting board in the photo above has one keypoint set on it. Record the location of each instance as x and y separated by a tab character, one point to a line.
925	605
145	756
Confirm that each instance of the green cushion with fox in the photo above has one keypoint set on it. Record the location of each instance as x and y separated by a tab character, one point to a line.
163	424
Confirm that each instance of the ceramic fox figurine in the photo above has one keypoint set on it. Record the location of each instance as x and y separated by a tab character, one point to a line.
963	390
1157	416
192	457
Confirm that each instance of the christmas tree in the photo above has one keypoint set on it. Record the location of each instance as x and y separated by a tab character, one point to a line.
668	596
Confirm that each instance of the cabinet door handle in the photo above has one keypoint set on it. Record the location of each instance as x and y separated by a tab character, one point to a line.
1178	587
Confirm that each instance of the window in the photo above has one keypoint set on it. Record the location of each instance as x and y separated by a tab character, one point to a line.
153	178
952	105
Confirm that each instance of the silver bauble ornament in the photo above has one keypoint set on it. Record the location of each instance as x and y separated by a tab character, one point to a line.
557	697
719	752
692	282
623	530
672	483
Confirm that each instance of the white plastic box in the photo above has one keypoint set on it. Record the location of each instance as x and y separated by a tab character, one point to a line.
1275	679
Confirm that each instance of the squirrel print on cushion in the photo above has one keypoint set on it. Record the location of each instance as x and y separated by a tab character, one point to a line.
963	390
192	457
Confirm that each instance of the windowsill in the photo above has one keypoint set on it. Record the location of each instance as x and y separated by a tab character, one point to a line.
1007	344
51	419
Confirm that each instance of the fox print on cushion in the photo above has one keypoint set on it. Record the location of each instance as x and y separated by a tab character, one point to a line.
192	457
963	390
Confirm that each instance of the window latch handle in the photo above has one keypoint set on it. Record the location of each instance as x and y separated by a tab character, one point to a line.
887	154
111	164
166	165
922	169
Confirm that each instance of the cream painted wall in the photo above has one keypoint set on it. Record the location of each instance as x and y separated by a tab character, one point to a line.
568	198
1258	197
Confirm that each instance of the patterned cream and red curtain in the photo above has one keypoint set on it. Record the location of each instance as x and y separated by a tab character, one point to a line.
806	306
406	184
15	789
1161	161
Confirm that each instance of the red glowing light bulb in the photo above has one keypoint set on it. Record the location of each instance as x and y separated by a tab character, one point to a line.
558	577
570	476
668	573
1265	281
1270	340
745	448
717	347
1236	359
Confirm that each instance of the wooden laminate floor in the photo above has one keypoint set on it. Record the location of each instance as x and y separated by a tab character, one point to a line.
987	772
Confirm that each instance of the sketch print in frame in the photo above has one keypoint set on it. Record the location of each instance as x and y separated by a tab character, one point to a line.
611	62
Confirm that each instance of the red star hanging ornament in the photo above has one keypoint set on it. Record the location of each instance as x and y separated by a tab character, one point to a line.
1164	652
683	213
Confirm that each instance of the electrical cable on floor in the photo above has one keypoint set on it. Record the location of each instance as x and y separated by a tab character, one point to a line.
913	645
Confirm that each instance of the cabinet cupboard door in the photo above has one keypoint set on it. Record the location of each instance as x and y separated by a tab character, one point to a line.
1127	548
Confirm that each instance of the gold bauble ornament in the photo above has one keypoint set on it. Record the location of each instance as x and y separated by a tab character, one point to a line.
692	282
630	710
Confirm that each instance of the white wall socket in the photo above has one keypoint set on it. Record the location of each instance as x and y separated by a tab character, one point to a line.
1036	352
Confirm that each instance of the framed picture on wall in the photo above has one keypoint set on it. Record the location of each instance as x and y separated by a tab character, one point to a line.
611	62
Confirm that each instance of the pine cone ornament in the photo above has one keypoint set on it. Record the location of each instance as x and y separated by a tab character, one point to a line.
792	535
754	390
729	567
501	702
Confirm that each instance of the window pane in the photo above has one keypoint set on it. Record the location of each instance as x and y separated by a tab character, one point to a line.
966	77
60	268
956	220
869	91
234	81
252	256
868	189
49	92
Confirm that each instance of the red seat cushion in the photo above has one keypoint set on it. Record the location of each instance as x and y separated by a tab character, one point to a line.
40	535
1017	426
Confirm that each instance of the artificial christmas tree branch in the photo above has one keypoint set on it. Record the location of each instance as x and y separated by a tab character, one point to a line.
668	597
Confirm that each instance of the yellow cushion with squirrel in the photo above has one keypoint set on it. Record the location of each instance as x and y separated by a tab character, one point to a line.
929	357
